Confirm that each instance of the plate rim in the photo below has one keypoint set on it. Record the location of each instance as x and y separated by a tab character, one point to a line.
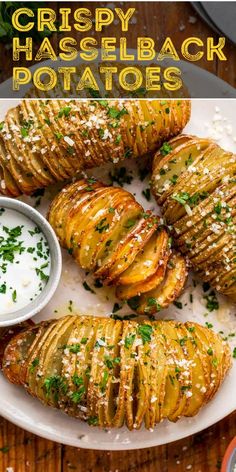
116	446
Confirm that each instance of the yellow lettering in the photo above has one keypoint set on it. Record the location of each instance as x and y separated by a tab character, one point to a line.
46	19
15	19
153	78
46	51
124	56
66	72
84	23
108	45
108	71
87	80
146	49
26	48
68	52
185	49
138	78
103	17
172	75
21	76
90	53
168	51
65	12
124	17
48	84
215	49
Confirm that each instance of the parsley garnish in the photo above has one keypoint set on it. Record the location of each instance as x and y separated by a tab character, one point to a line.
64	112
102	226
145	331
165	149
129	340
87	287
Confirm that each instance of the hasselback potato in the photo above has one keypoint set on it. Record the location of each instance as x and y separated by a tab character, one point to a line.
109	372
194	182
45	141
108	233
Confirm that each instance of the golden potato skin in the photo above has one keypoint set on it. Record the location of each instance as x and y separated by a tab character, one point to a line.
194	181
108	233
45	141
86	367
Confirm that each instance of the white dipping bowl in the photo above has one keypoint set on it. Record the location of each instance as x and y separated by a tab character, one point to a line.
45	296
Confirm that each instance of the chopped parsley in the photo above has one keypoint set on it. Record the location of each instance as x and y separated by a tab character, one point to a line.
14	296
178	304
145	331
104	380
121	176
65	111
147	194
102	226
55	385
116	307
165	149
129	340
211	301
34	364
87	287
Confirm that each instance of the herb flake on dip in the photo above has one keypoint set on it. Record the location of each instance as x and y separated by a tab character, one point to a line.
24	261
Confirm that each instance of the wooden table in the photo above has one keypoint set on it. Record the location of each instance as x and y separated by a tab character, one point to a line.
203	452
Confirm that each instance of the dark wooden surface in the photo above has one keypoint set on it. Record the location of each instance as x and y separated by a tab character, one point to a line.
203	452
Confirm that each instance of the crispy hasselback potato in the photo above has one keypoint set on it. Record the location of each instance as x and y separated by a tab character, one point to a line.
45	141
108	233
111	373
194	182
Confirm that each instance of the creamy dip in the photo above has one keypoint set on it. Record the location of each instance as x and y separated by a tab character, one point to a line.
24	261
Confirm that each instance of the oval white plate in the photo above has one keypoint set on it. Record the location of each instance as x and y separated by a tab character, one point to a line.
27	412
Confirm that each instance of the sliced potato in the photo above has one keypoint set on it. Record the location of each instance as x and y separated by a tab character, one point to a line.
111	373
124	292
151	302
147	261
200	205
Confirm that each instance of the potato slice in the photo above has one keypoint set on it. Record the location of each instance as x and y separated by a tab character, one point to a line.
125	292
198	386
166	170
128	244
173	394
124	409
151	302
77	215
16	354
51	387
100	225
147	261
157	373
131	248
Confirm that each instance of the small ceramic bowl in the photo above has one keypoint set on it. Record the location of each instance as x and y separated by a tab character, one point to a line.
44	297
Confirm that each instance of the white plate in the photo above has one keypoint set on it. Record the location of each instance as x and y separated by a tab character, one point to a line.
28	412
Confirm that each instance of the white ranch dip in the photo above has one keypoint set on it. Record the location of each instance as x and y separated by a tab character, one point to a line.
24	261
